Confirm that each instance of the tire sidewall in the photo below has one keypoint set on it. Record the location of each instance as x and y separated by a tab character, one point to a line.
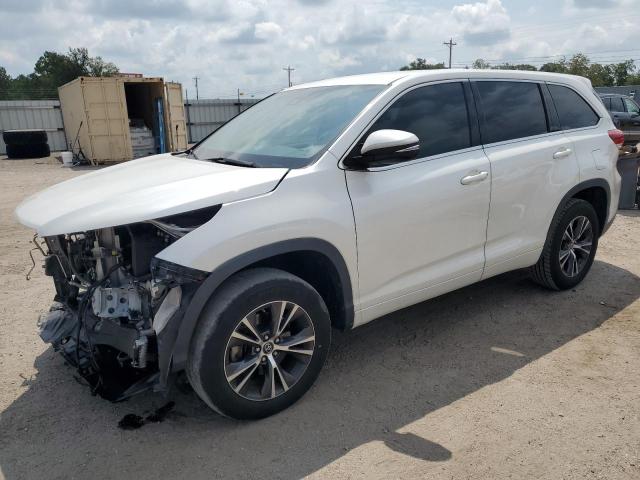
580	208
211	367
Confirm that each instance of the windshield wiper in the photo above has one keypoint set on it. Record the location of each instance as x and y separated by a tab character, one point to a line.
232	161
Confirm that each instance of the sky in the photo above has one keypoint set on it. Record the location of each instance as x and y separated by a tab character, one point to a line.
245	44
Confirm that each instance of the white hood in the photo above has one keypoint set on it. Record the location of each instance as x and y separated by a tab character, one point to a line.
143	189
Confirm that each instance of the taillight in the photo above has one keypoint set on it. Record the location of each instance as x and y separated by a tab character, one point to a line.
617	136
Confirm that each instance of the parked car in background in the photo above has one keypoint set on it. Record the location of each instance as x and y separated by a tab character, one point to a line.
326	205
625	113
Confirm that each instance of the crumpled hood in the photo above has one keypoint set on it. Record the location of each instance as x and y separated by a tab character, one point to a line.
142	189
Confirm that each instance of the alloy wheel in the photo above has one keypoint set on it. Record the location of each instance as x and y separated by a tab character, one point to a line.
575	246
269	350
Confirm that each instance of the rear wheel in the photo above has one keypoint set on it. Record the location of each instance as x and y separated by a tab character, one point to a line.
260	344
570	247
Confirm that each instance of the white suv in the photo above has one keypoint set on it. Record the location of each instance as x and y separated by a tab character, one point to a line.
327	204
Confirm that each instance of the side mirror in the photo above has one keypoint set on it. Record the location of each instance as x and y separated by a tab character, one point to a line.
391	143
634	114
386	147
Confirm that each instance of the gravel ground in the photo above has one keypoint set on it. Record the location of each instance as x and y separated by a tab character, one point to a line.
498	380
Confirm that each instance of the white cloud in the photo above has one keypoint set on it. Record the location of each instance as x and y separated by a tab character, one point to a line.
267	30
244	44
482	23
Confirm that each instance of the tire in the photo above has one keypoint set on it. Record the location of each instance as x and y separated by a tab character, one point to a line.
36	150
214	355
24	137
556	273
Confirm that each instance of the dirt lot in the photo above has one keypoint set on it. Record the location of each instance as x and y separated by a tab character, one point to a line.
498	380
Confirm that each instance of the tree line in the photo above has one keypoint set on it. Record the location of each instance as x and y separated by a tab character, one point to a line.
50	71
601	75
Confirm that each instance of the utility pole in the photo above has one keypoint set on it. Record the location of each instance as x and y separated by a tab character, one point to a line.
187	106
289	70
450	44
239	104
196	80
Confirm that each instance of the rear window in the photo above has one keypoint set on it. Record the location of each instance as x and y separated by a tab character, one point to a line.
511	110
573	110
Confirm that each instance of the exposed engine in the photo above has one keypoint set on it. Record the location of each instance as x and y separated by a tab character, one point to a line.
109	306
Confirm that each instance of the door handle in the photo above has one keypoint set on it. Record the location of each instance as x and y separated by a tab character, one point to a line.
565	152
476	177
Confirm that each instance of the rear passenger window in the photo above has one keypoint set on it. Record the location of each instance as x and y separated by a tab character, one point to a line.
607	102
573	110
511	110
436	114
616	104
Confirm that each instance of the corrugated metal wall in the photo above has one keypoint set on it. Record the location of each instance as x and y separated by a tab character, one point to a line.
205	116
41	114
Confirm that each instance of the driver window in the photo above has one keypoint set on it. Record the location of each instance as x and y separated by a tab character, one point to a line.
436	114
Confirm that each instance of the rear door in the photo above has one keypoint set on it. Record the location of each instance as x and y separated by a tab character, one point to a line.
532	166
107	122
176	119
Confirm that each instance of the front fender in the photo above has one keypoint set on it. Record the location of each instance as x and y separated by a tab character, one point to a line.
187	325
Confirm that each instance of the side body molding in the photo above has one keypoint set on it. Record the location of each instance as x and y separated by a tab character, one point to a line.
224	271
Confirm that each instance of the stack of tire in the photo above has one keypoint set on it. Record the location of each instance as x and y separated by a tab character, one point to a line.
26	143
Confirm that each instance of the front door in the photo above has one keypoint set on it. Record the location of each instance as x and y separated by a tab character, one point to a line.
421	225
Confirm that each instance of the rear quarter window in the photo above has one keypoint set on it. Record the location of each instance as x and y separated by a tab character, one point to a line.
573	110
511	110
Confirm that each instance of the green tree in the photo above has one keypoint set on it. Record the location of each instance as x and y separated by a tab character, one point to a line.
99	68
5	84
579	65
559	66
481	64
54	69
621	71
633	79
600	75
519	66
421	64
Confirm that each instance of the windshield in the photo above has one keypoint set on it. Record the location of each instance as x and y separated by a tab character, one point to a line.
289	129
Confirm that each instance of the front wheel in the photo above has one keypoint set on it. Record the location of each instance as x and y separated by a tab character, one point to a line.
260	344
570	247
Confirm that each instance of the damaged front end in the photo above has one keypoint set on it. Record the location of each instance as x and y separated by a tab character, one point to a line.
117	308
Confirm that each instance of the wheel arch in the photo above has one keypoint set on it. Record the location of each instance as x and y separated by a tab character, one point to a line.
597	192
304	257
